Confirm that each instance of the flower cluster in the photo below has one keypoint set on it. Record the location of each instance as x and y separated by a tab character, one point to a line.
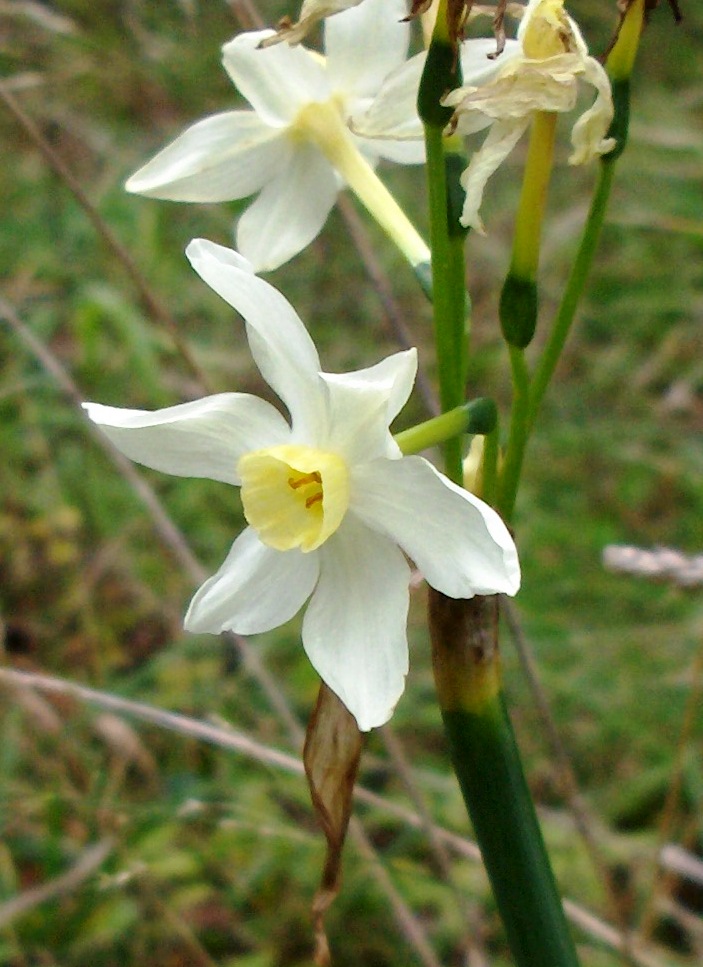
334	509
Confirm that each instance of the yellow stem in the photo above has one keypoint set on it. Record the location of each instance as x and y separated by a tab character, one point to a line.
538	170
621	58
324	125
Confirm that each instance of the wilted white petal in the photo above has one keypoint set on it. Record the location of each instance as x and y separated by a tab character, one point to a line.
364	44
290	211
256	589
220	158
500	141
279	342
458	542
277	81
589	133
204	438
354	628
478	66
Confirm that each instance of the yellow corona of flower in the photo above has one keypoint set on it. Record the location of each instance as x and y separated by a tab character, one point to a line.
332	505
543	73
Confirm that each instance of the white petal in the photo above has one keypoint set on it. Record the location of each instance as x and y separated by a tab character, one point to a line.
459	543
402	152
280	344
226	156
393	112
354	630
589	133
204	438
277	81
477	67
256	589
310	13
362	405
500	141
290	211
365	44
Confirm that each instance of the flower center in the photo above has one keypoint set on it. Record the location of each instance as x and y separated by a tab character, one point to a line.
294	496
548	33
322	123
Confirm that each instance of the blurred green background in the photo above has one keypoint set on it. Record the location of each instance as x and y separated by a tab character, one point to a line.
212	857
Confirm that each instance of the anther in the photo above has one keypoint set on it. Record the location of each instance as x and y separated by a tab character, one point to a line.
307	478
316	498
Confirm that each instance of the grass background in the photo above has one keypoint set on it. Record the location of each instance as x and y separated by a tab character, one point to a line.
213	857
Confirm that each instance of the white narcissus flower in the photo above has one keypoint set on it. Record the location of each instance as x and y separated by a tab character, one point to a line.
544	76
332	504
294	149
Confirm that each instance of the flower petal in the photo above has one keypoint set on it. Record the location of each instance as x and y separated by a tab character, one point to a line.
393	111
277	81
354	630
459	543
256	589
310	13
365	44
203	438
362	405
279	342
290	211
500	141
479	65
220	158
589	133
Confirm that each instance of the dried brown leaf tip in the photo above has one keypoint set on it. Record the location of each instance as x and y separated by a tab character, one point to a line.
333	745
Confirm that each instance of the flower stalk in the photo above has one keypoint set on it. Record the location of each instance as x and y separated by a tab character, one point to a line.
518	300
441	74
479	416
323	125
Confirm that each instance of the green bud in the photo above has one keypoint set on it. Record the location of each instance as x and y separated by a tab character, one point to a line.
621	119
518	310
441	74
482	416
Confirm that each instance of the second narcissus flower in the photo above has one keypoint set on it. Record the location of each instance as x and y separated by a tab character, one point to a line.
293	148
332	505
544	75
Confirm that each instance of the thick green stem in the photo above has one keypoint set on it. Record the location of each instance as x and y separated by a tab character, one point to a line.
487	763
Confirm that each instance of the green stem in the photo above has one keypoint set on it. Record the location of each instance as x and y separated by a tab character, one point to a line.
573	291
449	294
518	435
490	466
487	762
479	416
